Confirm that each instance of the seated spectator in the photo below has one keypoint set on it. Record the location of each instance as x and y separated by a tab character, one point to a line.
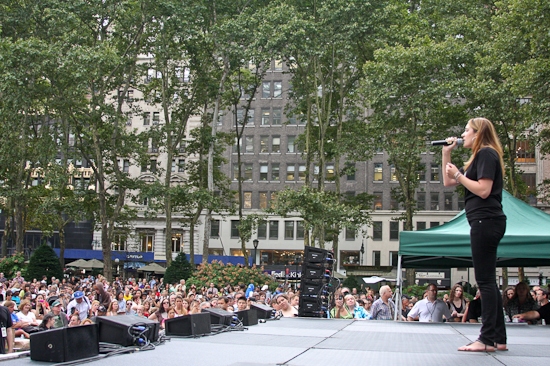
17	325
60	318
295	301
533	315
86	322
41	307
171	315
112	310
473	312
242	304
284	306
140	311
357	311
94	309
195	307
521	302
27	317
162	313
48	322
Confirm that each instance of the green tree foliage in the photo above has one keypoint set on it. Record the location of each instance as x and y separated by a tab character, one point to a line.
179	269
44	261
10	265
223	274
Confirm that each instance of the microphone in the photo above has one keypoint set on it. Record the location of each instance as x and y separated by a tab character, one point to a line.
444	142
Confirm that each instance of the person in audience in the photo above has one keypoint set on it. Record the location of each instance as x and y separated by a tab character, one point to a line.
171	315
60	318
74	319
112	310
384	307
162	313
521	302
457	303
41	307
285	308
533	315
48	322
430	309
80	304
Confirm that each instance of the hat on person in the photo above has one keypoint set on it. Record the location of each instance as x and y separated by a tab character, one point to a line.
78	294
56	303
265	287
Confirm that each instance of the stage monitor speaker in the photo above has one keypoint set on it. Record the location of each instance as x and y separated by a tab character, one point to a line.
127	330
315	255
219	316
65	344
309	304
312	287
188	325
316	270
247	317
263	311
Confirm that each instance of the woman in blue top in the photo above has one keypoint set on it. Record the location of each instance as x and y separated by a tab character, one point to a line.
482	178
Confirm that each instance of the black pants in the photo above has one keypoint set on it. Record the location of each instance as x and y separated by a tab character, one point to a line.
485	236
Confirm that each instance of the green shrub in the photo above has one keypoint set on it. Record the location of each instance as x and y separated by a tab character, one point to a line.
44	261
222	274
179	269
9	266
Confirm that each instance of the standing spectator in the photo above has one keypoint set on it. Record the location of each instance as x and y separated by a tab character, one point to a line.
18	279
103	297
212	291
405	301
79	304
430	309
2	278
383	308
6	323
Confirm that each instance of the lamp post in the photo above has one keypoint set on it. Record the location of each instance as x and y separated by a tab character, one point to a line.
362	252
255	242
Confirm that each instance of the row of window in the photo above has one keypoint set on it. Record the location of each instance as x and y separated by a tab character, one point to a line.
268	144
271	172
145	242
294	230
268	117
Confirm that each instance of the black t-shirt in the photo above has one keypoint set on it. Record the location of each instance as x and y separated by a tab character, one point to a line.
5	321
486	164
544	312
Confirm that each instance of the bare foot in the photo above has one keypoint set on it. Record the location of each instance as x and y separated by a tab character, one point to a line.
477	346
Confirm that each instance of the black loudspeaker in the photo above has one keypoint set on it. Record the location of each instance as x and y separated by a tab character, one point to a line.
127	330
219	316
65	344
311	287
188	325
247	317
315	255
263	311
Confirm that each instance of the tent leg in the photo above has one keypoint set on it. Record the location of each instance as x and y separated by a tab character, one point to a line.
398	291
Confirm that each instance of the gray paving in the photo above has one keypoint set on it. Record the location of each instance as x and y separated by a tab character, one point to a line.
303	342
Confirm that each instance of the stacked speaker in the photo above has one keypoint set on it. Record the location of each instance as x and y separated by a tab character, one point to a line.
315	283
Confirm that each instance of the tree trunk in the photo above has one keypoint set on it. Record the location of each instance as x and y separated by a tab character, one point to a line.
62	246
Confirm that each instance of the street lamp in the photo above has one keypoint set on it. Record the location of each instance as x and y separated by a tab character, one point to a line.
255	242
362	252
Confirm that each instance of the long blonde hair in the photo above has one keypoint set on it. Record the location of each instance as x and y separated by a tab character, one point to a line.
486	137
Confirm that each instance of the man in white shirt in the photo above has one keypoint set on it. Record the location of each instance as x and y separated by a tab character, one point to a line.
431	309
80	304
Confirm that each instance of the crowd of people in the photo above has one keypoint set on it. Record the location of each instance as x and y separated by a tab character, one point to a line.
39	305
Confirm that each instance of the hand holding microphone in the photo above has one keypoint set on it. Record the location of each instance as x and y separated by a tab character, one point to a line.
447	142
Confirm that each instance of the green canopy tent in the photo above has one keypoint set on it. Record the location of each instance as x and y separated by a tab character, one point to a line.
526	242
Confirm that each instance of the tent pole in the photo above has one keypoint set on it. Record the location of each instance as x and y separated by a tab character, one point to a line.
398	291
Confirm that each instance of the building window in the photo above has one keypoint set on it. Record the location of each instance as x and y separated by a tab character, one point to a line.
146	241
524	152
249	144
394	203
421	173
277	89
275	174
421	200
376	258
146	118
181	165
272	198
276	144
394	230
350	234
394	258
278	64
119	242
126	166
302	172
234	229
290	170
156	118
421	225
214	228
434	173
434	224
378	172
264	144
262	230
289	230
173	168
266	89
448	201
377	230
153	168
176	243
274	230
290	141
460	202
377	201
330	172
266	117
393	174
248	172
434	201
263	171
263	200
247	199
350	171
300	230
277	116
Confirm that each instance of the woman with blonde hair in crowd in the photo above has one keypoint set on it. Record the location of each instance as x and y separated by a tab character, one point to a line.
195	307
112	310
171	315
94	309
74	319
